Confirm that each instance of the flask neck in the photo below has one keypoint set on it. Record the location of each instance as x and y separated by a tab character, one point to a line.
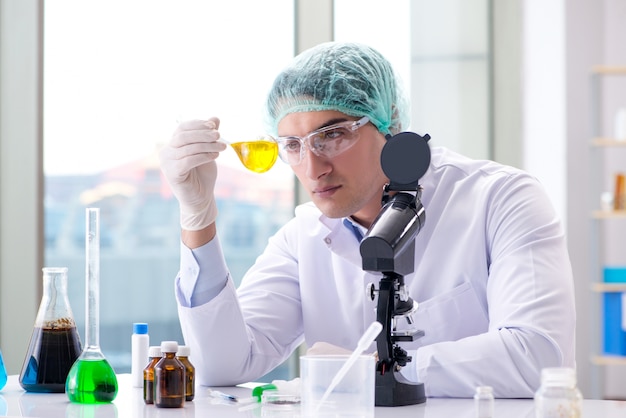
54	310
54	280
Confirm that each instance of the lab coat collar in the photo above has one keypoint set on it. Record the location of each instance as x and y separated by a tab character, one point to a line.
341	238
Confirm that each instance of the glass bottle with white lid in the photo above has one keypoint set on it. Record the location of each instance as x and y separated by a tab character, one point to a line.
558	396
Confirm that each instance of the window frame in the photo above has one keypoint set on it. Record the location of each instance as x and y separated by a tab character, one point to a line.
21	174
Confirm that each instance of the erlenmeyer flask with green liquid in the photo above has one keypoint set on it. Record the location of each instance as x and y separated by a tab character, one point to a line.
91	379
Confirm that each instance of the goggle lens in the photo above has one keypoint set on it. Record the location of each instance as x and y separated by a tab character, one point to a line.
327	142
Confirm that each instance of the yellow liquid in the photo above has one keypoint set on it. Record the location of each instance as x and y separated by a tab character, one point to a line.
257	156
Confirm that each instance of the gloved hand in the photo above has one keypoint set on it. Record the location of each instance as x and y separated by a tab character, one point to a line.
188	163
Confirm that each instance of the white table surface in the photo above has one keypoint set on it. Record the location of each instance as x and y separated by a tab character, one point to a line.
15	402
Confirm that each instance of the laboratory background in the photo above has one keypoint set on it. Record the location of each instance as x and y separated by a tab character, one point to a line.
89	90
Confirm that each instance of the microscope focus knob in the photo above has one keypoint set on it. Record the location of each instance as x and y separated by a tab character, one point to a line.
370	291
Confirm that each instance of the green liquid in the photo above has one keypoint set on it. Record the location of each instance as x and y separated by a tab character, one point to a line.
91	381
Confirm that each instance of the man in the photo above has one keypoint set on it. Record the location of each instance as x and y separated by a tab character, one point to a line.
492	274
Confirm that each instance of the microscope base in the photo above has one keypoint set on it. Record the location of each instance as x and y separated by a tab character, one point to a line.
393	389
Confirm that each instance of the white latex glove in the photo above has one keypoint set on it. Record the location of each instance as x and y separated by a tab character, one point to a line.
188	163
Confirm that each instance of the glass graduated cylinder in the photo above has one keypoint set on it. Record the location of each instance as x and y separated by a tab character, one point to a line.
258	156
91	379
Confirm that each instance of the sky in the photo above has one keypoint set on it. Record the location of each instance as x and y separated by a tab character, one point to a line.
115	92
119	75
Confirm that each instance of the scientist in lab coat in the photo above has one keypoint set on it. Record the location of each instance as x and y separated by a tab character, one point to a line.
492	274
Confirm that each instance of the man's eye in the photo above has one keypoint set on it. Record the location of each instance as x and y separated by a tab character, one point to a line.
292	146
335	133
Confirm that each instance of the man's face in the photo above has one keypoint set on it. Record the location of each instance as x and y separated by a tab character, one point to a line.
349	184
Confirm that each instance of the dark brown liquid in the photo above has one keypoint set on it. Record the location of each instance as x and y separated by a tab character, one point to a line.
148	391
190	372
51	354
148	380
169	383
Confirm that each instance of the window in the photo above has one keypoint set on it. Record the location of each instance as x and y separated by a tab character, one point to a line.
117	77
441	50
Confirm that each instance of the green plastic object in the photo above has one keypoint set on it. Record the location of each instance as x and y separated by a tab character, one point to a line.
258	391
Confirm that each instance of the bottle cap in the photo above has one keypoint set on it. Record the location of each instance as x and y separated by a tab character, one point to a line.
484	390
558	376
140	328
155	351
184	350
169	346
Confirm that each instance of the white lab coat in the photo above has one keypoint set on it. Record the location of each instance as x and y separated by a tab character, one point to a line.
492	278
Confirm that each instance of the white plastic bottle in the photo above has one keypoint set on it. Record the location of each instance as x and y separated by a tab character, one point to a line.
140	343
558	396
484	402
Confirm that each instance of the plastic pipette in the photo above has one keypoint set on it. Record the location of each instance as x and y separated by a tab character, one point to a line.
370	334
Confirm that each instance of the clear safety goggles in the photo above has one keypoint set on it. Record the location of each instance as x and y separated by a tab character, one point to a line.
327	142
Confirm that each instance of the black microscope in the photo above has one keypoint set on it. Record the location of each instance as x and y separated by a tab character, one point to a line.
389	247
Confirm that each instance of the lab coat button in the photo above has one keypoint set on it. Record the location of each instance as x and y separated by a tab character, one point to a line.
327	240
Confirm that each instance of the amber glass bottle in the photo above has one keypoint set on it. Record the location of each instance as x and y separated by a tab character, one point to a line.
169	378
154	355
190	371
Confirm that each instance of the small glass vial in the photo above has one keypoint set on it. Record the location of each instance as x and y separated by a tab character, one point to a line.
483	402
154	355
190	371
169	378
558	396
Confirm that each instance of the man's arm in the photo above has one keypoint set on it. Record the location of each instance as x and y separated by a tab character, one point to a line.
195	239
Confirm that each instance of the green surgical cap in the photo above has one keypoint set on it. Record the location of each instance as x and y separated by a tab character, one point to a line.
347	77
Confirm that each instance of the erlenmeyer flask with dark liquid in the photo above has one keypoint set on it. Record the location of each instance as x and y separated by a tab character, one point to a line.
54	344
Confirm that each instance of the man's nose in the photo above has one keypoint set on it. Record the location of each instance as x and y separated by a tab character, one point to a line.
316	166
